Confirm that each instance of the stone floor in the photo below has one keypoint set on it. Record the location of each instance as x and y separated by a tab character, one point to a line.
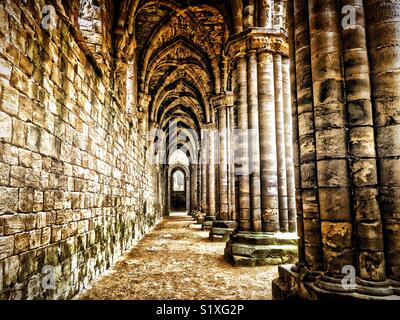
177	261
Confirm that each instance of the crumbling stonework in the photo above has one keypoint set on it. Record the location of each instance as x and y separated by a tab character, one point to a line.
75	189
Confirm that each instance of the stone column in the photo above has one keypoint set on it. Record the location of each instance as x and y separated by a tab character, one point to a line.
296	146
223	226
265	13
254	143
363	167
193	188
354	97
255	94
280	144
287	109
166	190
204	180
211	172
232	174
383	34
243	121
306	130
223	165
331	137
268	153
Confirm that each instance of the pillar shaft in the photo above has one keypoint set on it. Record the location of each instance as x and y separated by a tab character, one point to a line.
193	188
280	144
306	129
287	109
296	146
244	181
204	180
211	175
254	144
383	34
268	153
223	165
265	13
232	174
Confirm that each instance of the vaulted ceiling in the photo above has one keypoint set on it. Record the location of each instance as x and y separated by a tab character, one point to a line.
180	56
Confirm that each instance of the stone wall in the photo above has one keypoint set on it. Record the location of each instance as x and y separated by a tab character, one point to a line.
75	189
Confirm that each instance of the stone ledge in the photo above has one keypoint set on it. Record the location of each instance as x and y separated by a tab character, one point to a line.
222	229
297	286
259	249
208	222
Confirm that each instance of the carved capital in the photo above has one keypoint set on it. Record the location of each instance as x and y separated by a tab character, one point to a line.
258	42
258	39
222	100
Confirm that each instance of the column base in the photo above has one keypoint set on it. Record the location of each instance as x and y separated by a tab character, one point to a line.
221	230
252	249
207	222
293	285
199	217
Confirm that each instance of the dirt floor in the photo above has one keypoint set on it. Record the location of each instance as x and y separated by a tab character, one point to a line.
178	261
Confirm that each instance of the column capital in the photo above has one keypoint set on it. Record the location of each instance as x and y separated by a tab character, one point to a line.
222	100
209	126
258	39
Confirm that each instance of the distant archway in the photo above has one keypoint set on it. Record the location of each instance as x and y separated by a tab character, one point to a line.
179	188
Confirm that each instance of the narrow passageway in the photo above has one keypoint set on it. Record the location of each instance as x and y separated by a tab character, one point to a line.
178	261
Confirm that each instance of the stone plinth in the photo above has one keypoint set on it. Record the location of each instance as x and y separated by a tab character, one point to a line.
221	230
208	222
199	217
301	285
252	249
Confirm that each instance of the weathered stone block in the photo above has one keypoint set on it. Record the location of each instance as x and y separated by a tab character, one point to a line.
28	265
366	204
307	148
385	141
22	242
336	235
308	175
5	127
372	265
26	200
9	100
25	158
329	116
20	131
332	173
6	247
30	221
35	239
364	172
370	236
335	204
4	174
11	268
390	172
312	231
360	113
5	70
18	176
46	236
331	144
310	204
13	224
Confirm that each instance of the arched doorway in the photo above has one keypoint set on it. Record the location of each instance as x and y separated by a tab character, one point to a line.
178	198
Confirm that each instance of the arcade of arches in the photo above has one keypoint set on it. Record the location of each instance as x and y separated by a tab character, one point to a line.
273	123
